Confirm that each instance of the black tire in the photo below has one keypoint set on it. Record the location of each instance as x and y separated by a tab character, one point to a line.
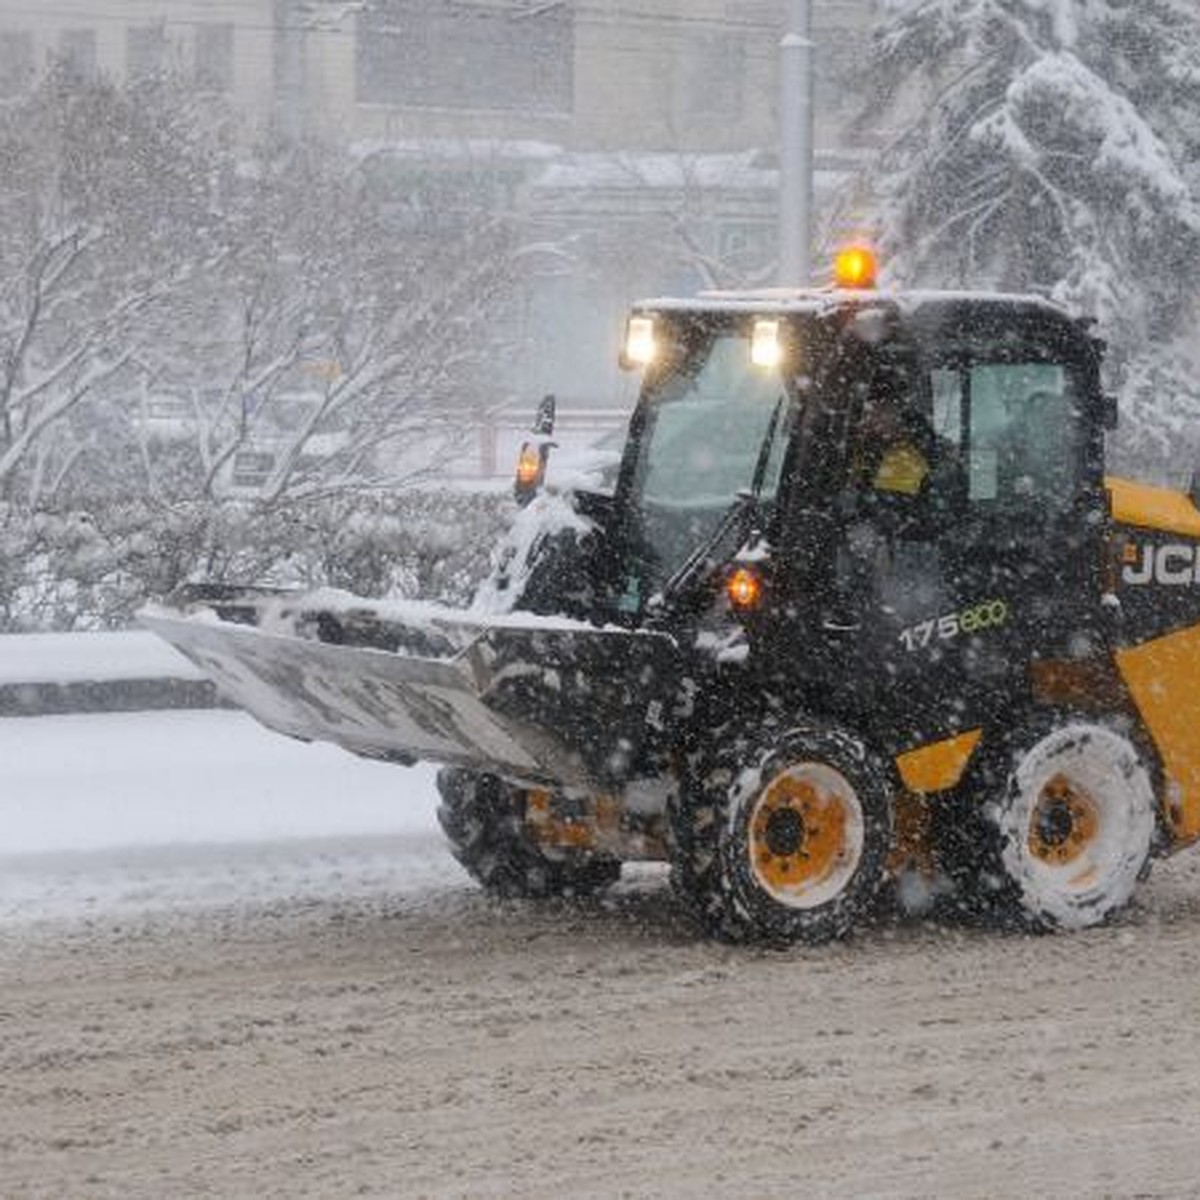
1056	826
484	819
783	836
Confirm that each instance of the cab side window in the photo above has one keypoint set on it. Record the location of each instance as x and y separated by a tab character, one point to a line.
1016	427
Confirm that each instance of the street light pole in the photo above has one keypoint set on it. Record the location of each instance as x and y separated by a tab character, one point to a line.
796	148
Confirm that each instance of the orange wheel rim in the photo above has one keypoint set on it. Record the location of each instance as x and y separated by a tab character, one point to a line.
1064	825
805	832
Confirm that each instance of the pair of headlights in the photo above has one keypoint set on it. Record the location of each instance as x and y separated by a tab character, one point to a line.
643	346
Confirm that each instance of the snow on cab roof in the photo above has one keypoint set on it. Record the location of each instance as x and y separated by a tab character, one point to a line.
803	300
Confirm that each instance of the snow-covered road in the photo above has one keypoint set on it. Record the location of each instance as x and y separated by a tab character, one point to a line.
234	966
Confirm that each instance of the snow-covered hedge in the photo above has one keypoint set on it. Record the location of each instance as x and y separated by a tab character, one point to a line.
75	569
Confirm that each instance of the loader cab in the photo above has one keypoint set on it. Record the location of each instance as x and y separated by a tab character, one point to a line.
926	473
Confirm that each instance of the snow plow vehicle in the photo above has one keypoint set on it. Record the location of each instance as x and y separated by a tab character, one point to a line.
862	603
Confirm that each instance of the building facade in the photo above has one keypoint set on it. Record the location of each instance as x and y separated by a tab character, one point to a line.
595	75
222	47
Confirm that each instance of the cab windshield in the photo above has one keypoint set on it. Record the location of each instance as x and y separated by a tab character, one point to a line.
715	427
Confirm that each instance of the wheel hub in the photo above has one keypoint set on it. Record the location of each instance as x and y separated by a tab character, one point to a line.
1064	824
1055	824
804	834
785	832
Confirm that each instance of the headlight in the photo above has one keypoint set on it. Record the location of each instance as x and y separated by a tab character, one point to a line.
641	346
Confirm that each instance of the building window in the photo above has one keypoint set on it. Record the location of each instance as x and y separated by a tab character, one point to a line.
514	55
145	52
16	62
77	52
214	57
714	76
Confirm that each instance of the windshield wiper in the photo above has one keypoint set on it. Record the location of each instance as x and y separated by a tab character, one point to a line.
768	446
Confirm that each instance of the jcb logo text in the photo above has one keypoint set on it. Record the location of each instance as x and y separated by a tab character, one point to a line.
1173	565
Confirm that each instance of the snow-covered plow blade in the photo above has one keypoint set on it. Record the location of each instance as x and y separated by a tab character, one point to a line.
541	700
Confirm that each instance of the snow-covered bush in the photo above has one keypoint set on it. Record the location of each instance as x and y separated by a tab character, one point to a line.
74	569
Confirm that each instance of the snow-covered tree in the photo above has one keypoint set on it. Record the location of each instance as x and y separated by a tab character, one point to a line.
170	298
103	212
1051	145
282	301
332	334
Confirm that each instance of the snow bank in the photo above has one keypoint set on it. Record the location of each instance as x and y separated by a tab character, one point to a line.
131	813
89	657
98	782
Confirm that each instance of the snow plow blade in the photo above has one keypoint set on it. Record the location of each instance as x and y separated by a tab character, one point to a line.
527	697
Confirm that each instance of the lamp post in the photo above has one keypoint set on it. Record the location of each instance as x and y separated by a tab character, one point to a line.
796	147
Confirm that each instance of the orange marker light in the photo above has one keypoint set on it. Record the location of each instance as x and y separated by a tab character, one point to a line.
744	588
529	466
855	267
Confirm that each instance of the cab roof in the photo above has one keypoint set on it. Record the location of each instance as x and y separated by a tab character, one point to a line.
828	301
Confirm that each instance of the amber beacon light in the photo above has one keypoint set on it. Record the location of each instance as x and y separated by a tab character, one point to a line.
855	267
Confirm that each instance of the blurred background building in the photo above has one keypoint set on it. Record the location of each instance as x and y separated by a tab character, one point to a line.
632	75
634	141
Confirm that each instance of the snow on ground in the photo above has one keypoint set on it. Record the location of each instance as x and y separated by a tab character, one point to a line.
273	980
84	657
103	813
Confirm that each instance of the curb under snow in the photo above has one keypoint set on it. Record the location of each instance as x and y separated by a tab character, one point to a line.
44	674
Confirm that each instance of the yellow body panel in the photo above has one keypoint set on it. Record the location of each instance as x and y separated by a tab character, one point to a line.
938	766
1162	677
1148	507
